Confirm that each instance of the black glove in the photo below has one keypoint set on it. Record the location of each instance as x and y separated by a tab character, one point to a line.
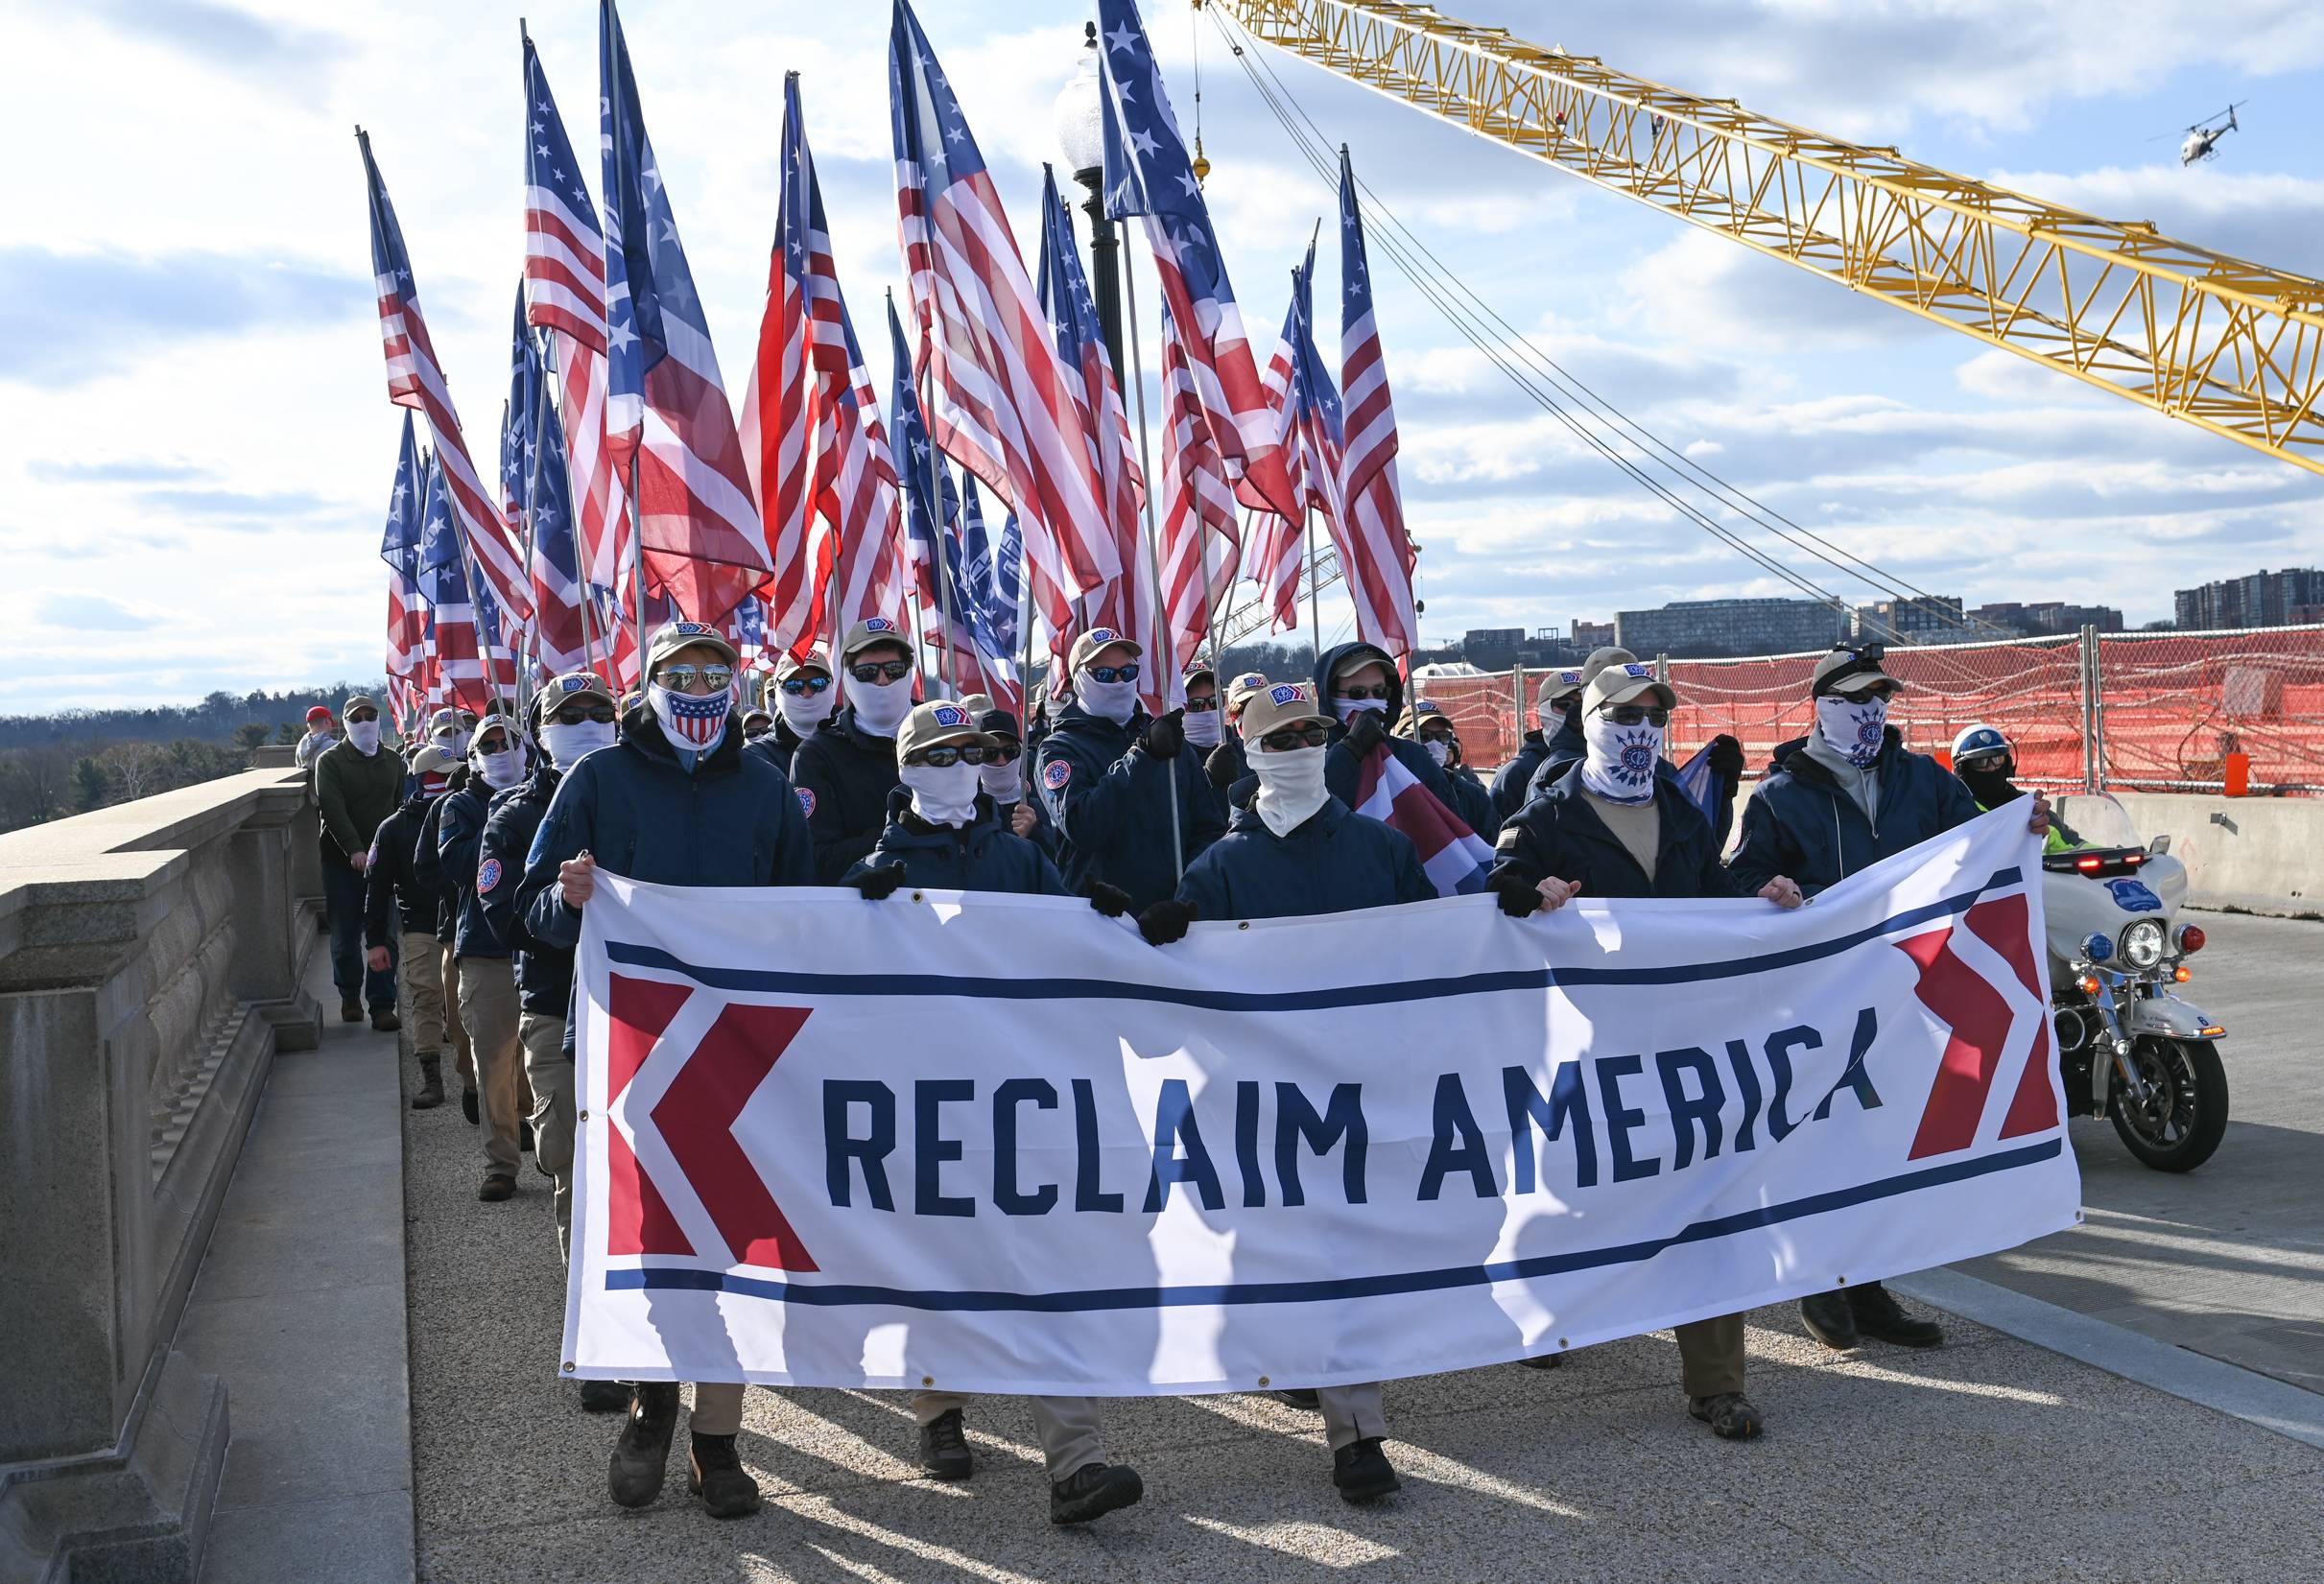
1166	734
1221	769
1517	895
1366	731
1165	921
1726	757
871	884
1110	900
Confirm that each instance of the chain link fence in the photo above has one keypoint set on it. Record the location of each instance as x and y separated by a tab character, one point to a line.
2150	711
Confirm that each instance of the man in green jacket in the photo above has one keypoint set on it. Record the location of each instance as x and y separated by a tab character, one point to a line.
358	783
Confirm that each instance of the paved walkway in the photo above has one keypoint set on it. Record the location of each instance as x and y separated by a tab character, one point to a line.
1991	1458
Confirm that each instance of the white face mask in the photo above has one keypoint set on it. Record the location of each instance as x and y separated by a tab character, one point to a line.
1440	751
365	735
1291	787
690	720
499	770
879	707
1203	728
1001	783
1619	764
1852	727
803	712
945	795
1349	708
567	744
1113	701
454	742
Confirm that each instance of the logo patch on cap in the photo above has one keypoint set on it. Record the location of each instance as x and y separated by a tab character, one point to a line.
1638	670
878	623
571	684
951	715
1055	777
1103	635
1569	679
692	628
806	801
1249	679
488	875
1283	693
1428	706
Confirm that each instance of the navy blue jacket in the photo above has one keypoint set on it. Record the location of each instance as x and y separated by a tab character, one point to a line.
635	809
1339	768
1044	829
1110	801
544	974
777	746
1471	801
1513	782
843	775
981	856
1560	833
393	900
1564	750
1337	861
427	861
459	830
1801	822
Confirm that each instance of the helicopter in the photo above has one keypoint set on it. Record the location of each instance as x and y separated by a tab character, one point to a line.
2202	141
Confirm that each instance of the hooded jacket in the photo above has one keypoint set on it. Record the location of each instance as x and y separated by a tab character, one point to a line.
427	861
1474	804
778	747
394	900
544	974
1565	749
1513	782
1339	768
634	807
842	775
460	831
1109	800
981	856
1560	834
1800	822
1334	862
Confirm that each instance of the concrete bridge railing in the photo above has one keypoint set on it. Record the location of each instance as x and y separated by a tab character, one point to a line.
151	958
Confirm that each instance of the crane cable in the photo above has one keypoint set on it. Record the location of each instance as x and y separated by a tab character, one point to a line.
1435	281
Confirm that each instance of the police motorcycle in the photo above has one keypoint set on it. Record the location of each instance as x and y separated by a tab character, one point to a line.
2129	1047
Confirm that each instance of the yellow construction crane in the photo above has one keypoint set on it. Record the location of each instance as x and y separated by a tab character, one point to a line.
2233	348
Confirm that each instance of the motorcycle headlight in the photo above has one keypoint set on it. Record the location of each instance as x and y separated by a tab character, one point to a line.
2143	943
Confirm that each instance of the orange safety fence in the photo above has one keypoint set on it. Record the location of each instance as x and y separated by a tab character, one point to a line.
2171	706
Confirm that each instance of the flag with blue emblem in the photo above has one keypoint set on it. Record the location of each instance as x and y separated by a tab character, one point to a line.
399	547
442	573
561	632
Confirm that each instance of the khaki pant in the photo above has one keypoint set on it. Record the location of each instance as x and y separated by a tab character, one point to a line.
488	1005
423	992
1711	1355
1352	1413
1071	1438
718	1408
463	1059
551	1077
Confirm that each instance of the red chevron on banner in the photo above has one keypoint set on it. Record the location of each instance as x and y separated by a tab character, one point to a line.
638	1218
2005	925
697	1117
1979	1021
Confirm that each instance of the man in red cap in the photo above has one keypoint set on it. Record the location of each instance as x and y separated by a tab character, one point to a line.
322	730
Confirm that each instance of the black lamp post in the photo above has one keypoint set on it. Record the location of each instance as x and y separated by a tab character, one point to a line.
1081	136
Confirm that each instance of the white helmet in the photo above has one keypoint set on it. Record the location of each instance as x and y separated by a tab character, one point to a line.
1978	742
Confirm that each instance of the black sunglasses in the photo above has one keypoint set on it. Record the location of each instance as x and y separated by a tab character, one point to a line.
1378	690
1197	706
572	715
880	671
1637	715
1113	673
1312	735
796	685
1005	753
943	758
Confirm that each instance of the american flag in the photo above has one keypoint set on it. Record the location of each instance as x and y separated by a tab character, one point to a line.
909	451
399	547
1127	605
1455	858
442	575
1148	173
666	415
1201	543
565	295
416	379
560	631
825	479
1278	544
1376	557
1004	402
983	635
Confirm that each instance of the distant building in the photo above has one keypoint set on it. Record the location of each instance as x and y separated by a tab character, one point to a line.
1493	648
2263	600
1590	635
1935	619
2048	618
1708	628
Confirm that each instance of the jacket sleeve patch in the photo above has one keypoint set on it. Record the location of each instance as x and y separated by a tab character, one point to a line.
488	875
806	800
1058	772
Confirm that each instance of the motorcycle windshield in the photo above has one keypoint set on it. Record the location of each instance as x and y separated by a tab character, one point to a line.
2096	820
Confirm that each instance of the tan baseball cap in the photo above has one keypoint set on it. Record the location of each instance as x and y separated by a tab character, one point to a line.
871	630
937	721
676	635
563	689
1611	655
431	761
1419	710
1627	683
1280	704
1086	648
1560	688
1238	690
815	659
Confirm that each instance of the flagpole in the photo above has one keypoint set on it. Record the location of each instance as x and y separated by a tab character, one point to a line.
553	392
1153	560
637	568
1315	593
935	524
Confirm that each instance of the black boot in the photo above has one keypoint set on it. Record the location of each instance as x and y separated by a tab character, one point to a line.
1731	1415
467	1107
431	1084
944	1447
1093	1491
350	1010
716	1475
605	1396
1828	1319
1881	1318
641	1456
1362	1472
1545	1361
1301	1397
384	1021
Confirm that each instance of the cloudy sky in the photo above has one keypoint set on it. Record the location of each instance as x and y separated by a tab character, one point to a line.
199	444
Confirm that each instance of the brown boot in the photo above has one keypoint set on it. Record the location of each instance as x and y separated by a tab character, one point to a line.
431	1084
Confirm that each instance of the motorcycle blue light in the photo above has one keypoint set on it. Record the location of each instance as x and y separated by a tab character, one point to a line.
2098	948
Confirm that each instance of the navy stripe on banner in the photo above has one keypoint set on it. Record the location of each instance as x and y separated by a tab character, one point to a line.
776	981
838	1296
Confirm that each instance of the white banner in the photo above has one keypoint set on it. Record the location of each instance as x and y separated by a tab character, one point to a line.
999	1144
